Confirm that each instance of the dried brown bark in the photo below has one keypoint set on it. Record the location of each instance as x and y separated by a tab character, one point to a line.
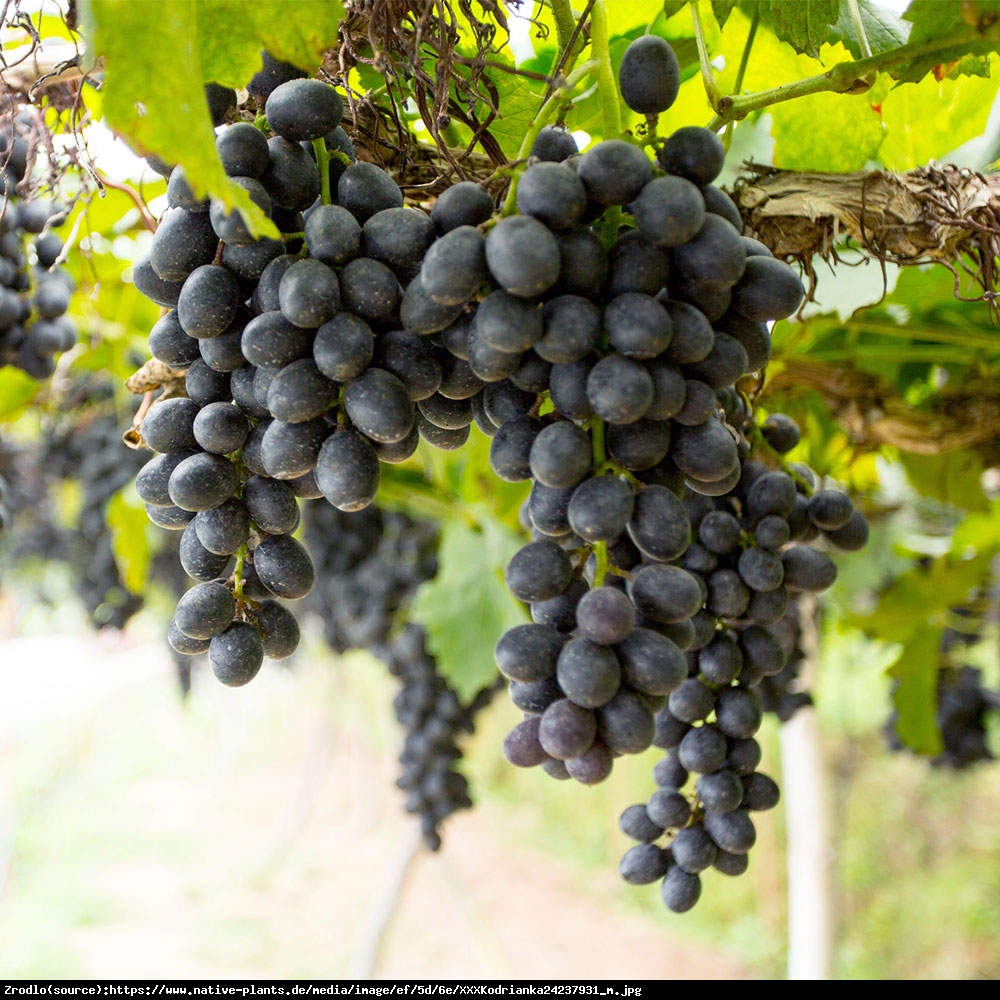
943	214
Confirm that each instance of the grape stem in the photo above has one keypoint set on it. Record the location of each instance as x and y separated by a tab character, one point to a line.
600	549
756	438
601	567
571	41
859	28
241	558
600	49
562	12
323	163
707	75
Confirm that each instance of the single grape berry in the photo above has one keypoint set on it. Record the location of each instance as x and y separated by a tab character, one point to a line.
650	75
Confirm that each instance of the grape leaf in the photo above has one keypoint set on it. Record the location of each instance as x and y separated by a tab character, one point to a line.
804	25
722	9
518	100
467	607
973	26
946	583
671	7
932	19
153	94
128	524
230	41
913	137
952	477
914	695
883	29
851	135
17	389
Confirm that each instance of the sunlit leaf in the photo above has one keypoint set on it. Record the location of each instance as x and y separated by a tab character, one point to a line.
466	607
883	29
914	694
17	389
154	94
128	524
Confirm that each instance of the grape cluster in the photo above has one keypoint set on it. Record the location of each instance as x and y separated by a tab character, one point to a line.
35	292
596	336
369	565
435	720
237	452
638	350
87	452
964	705
669	532
306	362
783	693
751	554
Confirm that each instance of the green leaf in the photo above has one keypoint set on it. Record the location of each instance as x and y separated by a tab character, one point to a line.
952	477
722	9
932	19
804	24
467	607
17	389
518	100
671	7
233	32
923	595
978	532
883	29
914	136
972	26
772	63
154	94
127	522
915	694
832	132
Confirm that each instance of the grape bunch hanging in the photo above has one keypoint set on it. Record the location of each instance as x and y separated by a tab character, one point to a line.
598	334
35	290
369	565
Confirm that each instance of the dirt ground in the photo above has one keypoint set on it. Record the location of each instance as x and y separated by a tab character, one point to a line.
258	834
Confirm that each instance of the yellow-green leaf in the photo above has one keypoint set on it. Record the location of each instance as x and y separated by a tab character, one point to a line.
154	93
467	607
914	697
17	389
128	525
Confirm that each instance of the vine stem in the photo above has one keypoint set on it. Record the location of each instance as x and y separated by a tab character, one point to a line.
741	72
707	76
846	76
562	11
859	28
745	58
600	49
